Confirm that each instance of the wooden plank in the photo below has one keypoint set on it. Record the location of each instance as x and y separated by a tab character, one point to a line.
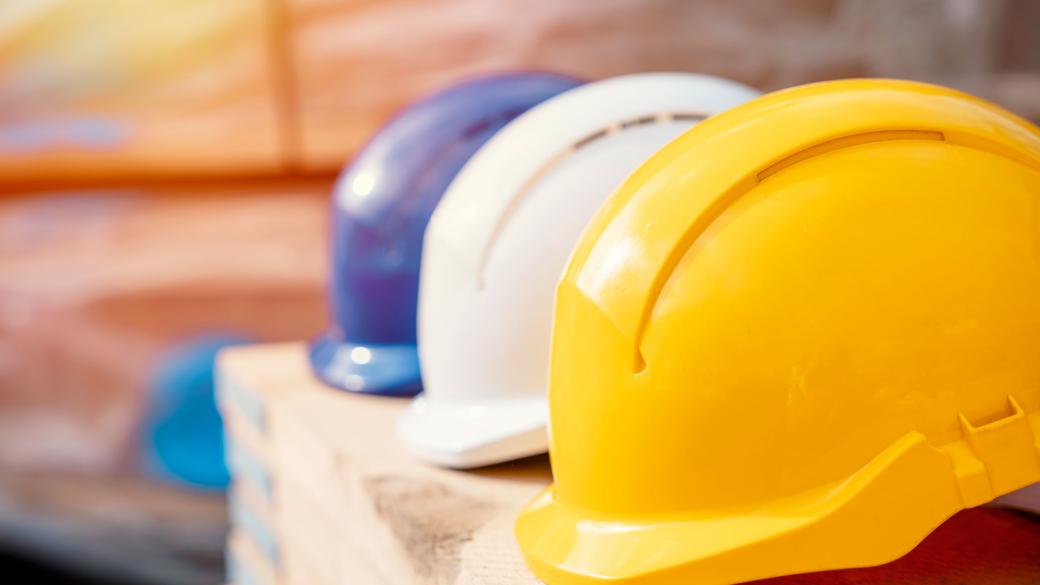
402	520
248	458
246	565
307	526
253	509
266	506
292	560
270	508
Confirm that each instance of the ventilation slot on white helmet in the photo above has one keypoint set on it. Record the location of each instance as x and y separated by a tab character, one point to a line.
560	157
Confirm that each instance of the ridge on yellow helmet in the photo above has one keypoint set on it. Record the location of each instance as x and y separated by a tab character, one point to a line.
798	338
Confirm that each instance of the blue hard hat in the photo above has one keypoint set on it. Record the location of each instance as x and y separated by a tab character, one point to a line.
382	203
182	432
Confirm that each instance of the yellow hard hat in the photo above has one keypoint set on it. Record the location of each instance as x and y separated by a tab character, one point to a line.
798	338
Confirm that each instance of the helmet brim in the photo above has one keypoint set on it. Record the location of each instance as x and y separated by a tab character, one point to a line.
875	516
386	370
463	436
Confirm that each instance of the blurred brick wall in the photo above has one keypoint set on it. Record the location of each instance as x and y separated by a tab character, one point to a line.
96	287
123	87
174	88
357	61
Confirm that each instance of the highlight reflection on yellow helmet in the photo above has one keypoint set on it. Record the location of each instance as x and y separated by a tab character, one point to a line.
798	338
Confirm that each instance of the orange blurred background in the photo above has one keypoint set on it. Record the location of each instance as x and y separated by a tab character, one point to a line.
177	89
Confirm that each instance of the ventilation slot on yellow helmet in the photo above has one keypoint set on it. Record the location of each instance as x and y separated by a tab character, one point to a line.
719	207
846	142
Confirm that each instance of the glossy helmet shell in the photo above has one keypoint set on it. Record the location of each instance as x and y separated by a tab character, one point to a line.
381	206
798	338
499	240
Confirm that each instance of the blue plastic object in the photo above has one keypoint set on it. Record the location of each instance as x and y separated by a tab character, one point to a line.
182	433
381	206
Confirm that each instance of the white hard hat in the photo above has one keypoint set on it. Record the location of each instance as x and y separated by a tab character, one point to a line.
497	244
